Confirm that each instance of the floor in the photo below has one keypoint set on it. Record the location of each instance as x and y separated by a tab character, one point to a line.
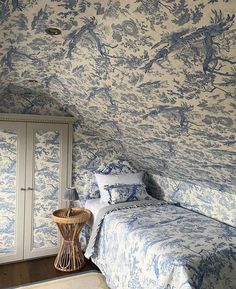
15	274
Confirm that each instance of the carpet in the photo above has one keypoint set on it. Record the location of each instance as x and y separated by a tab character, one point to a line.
91	280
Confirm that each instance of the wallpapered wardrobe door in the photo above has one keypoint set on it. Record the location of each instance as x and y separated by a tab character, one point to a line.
46	180
12	193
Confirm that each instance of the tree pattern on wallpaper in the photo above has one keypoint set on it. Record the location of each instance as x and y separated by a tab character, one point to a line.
154	78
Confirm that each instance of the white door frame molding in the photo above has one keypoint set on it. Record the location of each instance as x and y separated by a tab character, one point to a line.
32	128
36	118
20	129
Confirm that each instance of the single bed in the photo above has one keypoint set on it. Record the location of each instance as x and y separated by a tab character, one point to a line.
156	245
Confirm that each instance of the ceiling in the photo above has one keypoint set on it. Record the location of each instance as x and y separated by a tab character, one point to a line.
156	77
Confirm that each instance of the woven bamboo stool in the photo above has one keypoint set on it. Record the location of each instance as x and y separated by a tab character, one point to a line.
70	256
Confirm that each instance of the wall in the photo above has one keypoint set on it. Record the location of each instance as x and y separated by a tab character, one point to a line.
206	201
89	151
153	81
21	100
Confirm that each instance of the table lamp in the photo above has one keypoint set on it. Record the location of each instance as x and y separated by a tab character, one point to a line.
70	195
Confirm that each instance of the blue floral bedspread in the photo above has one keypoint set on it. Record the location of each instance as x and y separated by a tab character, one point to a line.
163	246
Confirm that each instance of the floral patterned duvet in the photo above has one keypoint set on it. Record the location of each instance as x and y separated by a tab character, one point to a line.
162	246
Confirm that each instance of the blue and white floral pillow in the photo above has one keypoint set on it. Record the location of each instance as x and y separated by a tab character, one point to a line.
120	193
113	168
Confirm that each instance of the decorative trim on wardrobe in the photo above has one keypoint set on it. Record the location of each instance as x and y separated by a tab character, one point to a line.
36	118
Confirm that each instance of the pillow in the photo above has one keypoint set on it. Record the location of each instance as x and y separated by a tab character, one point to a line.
113	168
103	180
120	193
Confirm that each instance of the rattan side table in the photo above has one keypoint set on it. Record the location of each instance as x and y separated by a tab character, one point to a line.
70	256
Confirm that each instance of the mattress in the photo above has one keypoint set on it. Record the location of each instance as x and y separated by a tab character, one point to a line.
94	205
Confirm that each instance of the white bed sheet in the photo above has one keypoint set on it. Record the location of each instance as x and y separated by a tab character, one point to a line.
94	205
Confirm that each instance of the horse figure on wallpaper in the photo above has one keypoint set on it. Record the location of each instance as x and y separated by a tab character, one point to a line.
206	34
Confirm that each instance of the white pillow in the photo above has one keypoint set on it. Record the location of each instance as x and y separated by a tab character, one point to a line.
108	180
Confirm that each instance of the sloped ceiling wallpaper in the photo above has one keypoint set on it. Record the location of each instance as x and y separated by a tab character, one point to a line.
23	100
154	78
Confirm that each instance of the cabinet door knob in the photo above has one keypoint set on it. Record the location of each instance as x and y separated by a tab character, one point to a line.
30	189
23	189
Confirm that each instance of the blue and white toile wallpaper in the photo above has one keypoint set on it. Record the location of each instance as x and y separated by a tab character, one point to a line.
151	81
206	201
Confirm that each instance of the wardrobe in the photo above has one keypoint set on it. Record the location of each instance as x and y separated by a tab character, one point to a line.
35	169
